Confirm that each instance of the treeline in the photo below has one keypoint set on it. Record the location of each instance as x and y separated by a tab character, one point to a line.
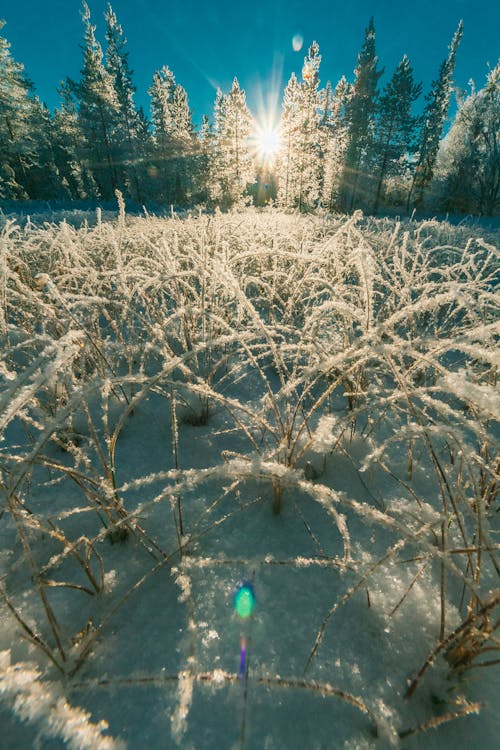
355	145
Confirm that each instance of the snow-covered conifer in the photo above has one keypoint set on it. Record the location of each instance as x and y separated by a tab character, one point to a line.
335	140
287	157
395	131
98	111
127	144
361	109
233	166
471	152
70	147
173	134
43	179
434	117
17	150
299	160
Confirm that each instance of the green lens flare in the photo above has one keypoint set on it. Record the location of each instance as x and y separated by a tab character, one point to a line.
244	600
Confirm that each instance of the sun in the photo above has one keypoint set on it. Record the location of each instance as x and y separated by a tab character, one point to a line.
268	143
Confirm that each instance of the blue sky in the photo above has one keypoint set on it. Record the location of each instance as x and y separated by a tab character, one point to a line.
207	44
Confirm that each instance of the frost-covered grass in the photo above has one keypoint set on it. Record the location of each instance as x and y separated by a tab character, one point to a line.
309	403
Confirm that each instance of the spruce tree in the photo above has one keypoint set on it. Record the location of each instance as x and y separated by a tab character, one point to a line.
334	143
287	161
70	147
310	141
98	112
204	157
127	147
471	152
434	117
300	157
233	166
173	134
396	127
43	180
183	140
17	149
361	110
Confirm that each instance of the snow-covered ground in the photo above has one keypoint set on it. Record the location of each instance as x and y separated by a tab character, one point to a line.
304	404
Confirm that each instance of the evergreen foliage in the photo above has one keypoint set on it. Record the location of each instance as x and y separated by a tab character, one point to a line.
361	110
300	160
69	146
342	148
17	149
128	128
98	113
434	117
233	167
173	134
472	152
396	127
335	133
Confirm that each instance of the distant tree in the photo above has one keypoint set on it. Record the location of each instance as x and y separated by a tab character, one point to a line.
310	156
396	128
70	147
126	136
204	156
287	164
43	180
233	165
300	157
184	145
173	134
434	117
98	112
471	152
334	130
161	93
361	110
17	149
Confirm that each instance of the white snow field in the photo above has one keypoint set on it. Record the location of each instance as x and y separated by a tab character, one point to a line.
305	403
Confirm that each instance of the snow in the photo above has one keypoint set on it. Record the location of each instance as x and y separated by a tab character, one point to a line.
305	403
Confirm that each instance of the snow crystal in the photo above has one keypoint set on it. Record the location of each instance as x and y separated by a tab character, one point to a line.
110	580
41	703
185	697
324	435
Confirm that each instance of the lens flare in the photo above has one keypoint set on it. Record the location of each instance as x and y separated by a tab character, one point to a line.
297	42
244	600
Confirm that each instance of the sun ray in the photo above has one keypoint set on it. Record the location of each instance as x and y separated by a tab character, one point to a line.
267	143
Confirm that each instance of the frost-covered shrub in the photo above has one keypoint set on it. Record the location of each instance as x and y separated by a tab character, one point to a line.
161	379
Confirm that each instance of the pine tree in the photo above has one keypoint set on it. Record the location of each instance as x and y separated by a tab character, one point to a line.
471	155
334	145
17	150
174	136
204	158
127	147
434	117
43	180
361	111
310	141
396	127
70	147
287	161
300	158
161	93
233	166
98	112
183	139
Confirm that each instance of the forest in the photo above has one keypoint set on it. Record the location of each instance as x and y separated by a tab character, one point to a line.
352	145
